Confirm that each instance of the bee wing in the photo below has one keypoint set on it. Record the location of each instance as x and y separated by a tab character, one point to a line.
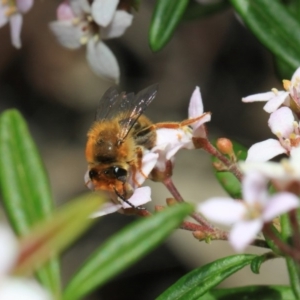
134	106
107	105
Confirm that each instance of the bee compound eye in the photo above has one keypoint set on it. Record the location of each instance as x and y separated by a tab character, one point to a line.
93	174
120	173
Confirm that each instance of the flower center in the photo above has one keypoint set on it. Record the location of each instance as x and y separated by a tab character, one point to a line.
11	7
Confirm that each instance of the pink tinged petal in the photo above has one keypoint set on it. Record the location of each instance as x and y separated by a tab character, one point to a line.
8	249
222	210
168	136
296	76
259	97
24	5
264	151
103	11
106	208
255	188
120	22
196	105
64	12
67	35
198	129
268	169
140	197
102	61
279	204
25	289
3	17
243	233
278	100
281	121
148	162
16	21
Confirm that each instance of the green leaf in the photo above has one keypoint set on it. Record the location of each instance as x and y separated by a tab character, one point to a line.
55	234
199	281
124	248
166	16
197	11
226	179
251	293
293	269
274	26
24	186
257	261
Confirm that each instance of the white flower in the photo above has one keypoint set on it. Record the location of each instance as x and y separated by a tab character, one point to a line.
276	98
171	140
12	11
140	196
284	175
283	124
248	217
15	288
81	24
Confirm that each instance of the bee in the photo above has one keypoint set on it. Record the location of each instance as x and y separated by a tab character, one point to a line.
117	138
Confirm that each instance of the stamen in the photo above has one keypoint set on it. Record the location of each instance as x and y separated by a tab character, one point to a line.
275	91
286	84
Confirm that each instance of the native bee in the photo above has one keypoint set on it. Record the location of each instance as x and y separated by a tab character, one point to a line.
117	138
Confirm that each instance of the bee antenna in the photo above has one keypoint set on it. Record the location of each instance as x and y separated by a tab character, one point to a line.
126	201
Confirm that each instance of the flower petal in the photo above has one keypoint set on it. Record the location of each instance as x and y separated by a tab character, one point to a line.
148	162
255	188
8	249
103	11
106	208
198	129
279	204
296	77
196	104
80	7
222	210
259	97
140	196
24	5
16	21
274	103
25	289
243	233
64	12
118	25
281	122
264	151
67	34
102	60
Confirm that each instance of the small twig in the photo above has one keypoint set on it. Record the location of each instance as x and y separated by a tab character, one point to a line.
295	227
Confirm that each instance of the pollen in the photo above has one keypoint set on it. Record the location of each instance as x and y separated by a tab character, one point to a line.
275	91
286	84
83	40
11	11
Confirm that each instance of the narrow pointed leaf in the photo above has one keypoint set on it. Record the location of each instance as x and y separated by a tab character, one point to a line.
125	248
197	11
166	16
24	186
251	292
55	234
274	26
201	280
257	261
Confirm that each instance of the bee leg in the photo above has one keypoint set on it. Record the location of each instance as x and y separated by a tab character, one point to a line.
173	125
126	201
